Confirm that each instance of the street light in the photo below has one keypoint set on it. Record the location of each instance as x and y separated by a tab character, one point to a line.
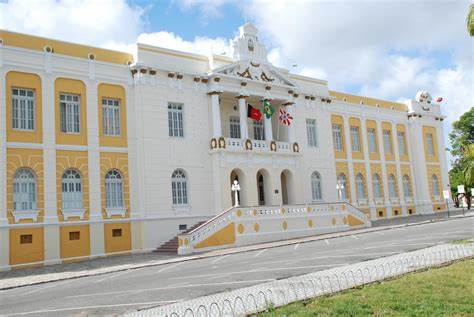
339	187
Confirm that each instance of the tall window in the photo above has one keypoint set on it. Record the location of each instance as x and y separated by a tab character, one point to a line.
111	116
342	181
387	141
23	109
376	185
175	119
24	190
258	130
114	197
70	111
360	186
337	136
234	127
355	139
392	186
407	187
372	140
430	144
402	149
316	189
311	132
71	190
179	188
435	184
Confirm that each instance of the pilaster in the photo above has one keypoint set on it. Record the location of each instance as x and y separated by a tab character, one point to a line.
365	146
383	164
350	165
401	193
244	130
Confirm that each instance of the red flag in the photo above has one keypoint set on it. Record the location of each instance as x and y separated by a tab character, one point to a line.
285	117
439	99
254	113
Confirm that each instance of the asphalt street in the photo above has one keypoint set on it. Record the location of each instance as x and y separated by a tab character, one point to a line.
130	290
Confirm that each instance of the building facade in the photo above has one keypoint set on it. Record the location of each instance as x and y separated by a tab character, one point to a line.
103	154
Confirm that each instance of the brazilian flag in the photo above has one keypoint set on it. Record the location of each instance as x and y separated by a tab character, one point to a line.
268	109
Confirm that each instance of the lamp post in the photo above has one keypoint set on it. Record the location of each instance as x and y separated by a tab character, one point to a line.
339	187
236	188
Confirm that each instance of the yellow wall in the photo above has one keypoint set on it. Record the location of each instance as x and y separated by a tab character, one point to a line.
72	160
368	101
434	169
339	120
381	212
30	81
342	167
405	170
117	244
360	168
392	169
75	248
359	155
29	252
430	130
387	126
117	161
114	92
71	86
63	48
377	169
27	158
402	128
371	124
396	211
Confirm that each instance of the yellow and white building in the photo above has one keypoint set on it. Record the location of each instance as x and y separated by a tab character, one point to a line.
103	154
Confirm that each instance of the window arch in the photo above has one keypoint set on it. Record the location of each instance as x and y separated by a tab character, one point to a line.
435	183
342	180
71	186
360	186
407	187
376	185
24	190
179	188
392	186
316	187
114	189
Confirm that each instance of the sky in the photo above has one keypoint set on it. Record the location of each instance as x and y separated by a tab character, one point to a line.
387	49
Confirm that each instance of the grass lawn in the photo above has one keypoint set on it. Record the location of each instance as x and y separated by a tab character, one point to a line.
446	291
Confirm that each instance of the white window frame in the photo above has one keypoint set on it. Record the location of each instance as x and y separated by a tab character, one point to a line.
355	140
372	138
311	131
175	119
179	188
337	136
70	113
71	190
114	190
407	190
316	187
258	130
24	190
111	117
387	142
234	127
360	187
435	185
342	180
430	144
392	187
402	149
377	186
23	109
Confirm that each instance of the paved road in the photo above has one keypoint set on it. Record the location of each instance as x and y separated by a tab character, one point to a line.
147	287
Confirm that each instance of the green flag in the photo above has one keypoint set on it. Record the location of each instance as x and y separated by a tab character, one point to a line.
268	109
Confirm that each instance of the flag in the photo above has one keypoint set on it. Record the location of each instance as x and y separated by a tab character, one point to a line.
439	99
253	113
285	118
268	109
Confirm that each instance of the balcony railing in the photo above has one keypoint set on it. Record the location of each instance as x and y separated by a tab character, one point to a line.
249	145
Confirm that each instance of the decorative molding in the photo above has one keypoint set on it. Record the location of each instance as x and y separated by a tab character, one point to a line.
71	213
19	215
115	212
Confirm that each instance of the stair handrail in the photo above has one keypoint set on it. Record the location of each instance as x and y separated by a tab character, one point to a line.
211	220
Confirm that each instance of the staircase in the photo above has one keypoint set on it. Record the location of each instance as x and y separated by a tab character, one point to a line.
172	245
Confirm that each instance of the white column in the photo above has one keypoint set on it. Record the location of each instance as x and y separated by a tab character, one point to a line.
93	156
244	130
51	232
401	194
350	165
368	171
216	114
4	235
291	127
442	156
267	122
382	160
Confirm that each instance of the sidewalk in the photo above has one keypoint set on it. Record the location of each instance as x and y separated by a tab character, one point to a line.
25	277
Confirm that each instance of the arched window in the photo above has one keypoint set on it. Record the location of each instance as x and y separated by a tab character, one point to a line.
376	185
342	181
392	186
179	188
71	185
114	189
316	188
407	187
360	186
435	183
24	190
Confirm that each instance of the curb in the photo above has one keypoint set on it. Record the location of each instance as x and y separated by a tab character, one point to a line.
216	253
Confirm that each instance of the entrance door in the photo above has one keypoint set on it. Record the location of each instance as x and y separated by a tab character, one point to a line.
261	189
284	189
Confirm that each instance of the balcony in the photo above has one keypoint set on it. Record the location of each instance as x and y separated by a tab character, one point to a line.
253	146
